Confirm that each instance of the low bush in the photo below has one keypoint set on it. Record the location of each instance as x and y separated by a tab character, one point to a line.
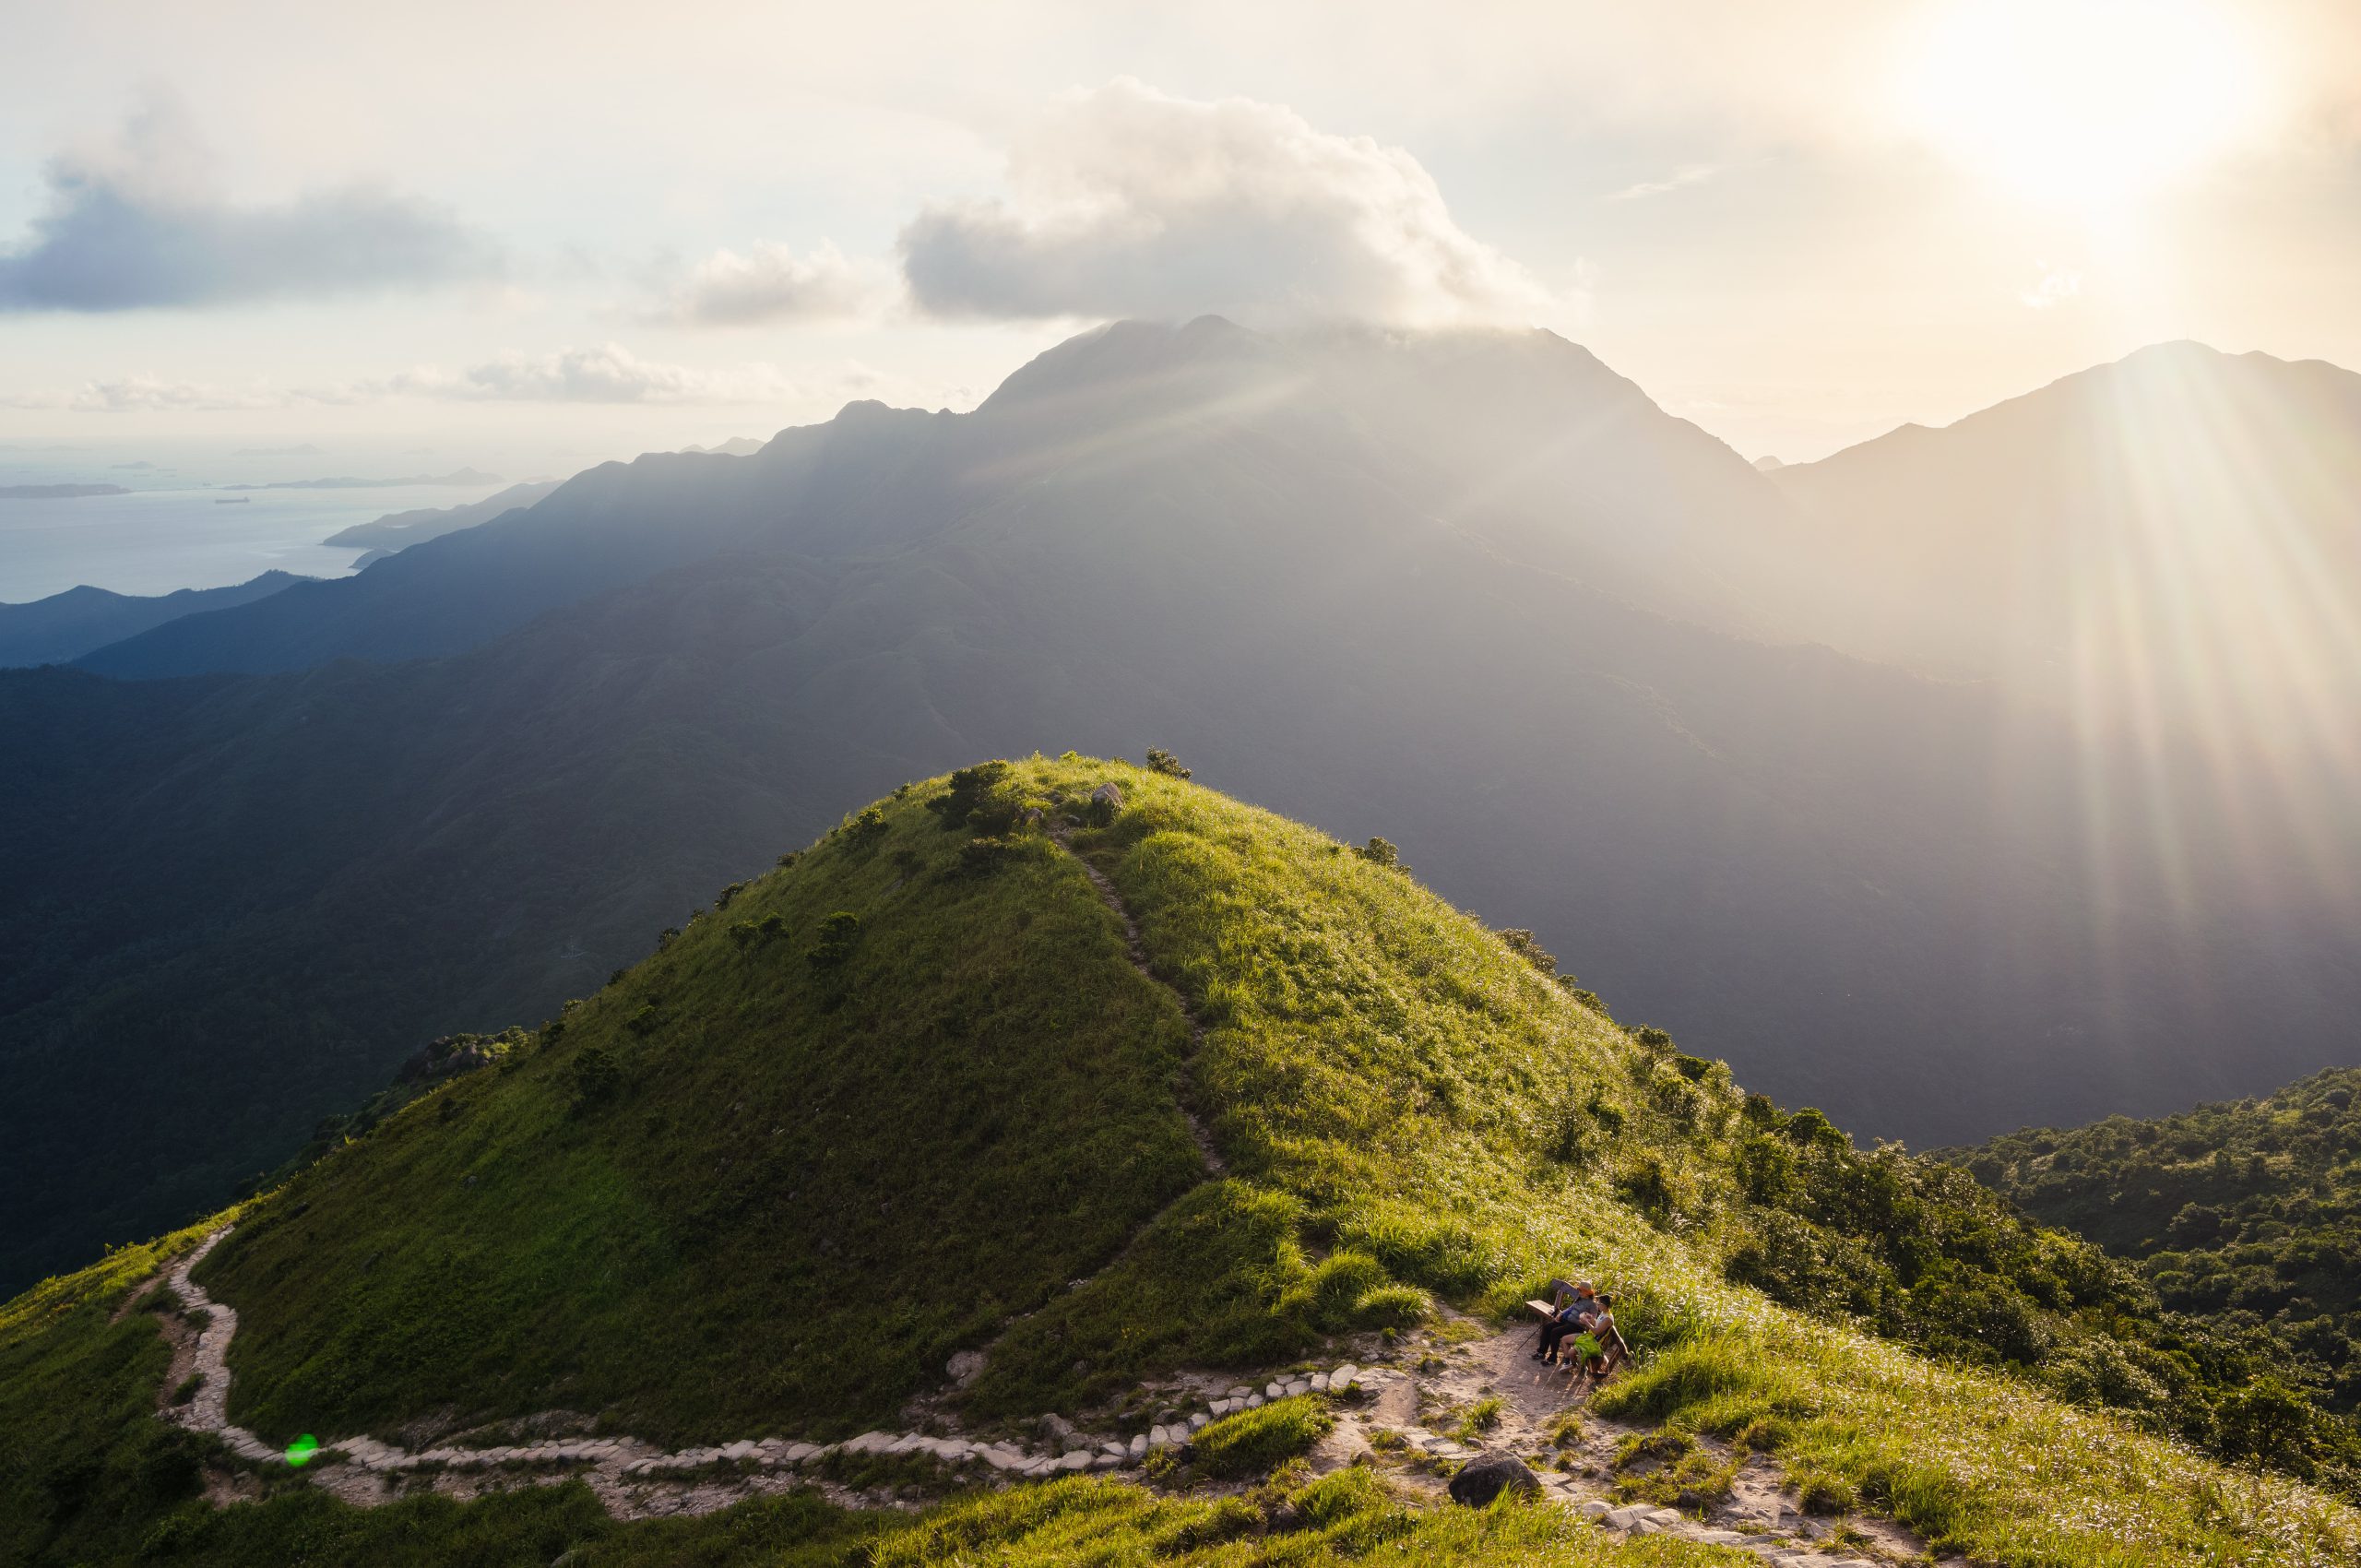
1252	1442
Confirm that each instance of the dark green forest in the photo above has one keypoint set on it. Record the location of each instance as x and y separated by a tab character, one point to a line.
2245	1215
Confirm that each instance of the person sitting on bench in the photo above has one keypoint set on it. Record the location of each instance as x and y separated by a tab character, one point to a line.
1572	1317
1598	1340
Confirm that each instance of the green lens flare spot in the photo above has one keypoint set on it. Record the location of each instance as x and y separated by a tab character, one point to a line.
300	1452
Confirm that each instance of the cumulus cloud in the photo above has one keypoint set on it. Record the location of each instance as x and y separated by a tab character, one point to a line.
607	374
138	225
1126	201
771	283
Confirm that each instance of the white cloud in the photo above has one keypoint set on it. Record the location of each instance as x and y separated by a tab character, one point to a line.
607	374
1687	174
2057	286
771	283
144	392
1126	201
137	225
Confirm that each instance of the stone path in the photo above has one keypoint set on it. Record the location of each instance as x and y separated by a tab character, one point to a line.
637	1479
1403	1419
1411	1433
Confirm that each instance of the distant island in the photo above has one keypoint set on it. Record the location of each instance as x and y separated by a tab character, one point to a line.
456	476
57	492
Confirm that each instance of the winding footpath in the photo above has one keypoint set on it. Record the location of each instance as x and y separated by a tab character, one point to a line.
636	1479
1403	1419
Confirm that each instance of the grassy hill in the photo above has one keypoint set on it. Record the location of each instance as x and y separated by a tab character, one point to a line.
2247	1213
910	1094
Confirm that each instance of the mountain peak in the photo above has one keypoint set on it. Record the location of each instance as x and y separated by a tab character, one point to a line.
1129	353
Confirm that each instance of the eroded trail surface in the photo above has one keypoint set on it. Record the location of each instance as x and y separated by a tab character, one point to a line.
1137	947
1467	1389
1416	1410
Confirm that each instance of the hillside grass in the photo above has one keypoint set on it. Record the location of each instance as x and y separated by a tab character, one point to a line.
1422	1089
743	1189
741	1193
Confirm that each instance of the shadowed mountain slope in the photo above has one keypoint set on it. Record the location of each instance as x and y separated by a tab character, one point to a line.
398	530
2168	540
237	902
66	625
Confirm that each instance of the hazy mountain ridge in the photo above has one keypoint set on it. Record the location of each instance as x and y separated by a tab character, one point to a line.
2171	532
398	530
64	626
1195	537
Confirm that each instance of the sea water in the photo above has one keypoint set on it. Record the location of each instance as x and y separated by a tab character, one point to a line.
153	542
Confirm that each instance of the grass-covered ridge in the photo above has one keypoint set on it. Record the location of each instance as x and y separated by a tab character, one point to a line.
854	1118
894	1098
1441	1108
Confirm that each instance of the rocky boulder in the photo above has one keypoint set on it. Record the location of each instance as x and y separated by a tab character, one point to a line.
1485	1477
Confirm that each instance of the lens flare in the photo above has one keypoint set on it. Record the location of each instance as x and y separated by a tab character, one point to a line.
2082	104
301	1452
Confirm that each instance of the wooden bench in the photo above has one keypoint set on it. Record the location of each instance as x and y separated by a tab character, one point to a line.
1613	1352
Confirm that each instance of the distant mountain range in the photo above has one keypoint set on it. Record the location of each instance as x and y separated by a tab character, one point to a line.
66	625
456	476
1474	592
399	530
2167	539
57	492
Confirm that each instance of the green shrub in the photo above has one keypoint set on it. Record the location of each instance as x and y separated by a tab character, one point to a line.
1392	1307
1161	761
840	934
981	857
1522	943
595	1076
867	828
969	790
1252	1442
1378	852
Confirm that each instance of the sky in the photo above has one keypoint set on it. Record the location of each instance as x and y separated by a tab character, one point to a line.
529	235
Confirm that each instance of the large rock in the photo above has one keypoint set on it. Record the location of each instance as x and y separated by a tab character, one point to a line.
1485	1477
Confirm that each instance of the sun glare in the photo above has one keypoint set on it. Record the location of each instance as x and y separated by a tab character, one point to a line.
2082	104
